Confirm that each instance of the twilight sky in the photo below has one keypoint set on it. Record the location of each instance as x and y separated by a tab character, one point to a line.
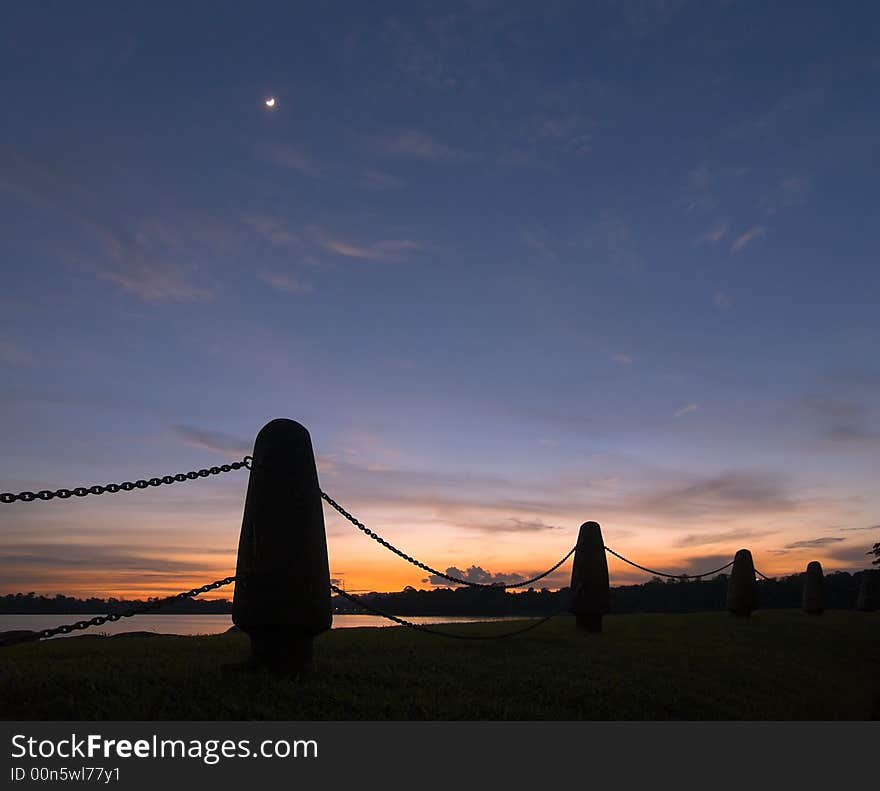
515	266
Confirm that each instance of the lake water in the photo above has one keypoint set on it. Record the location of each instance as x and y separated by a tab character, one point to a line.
208	624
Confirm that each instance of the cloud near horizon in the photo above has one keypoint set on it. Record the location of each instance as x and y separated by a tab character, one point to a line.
475	574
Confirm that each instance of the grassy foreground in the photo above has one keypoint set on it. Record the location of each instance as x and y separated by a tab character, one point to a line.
776	665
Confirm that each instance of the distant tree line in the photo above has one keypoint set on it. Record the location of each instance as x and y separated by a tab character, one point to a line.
656	595
31	603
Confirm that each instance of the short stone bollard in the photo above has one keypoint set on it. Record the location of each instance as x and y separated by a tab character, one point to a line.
869	591
814	589
741	593
589	579
282	588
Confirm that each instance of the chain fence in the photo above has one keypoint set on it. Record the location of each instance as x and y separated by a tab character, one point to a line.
125	486
20	636
25	636
11	638
425	567
683	577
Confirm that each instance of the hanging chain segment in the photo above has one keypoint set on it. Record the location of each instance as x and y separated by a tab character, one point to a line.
125	486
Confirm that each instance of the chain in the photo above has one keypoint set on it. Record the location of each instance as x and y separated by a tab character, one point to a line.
102	619
440	632
682	577
125	486
376	537
760	574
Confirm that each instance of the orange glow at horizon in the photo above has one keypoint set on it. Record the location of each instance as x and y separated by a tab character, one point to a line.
373	574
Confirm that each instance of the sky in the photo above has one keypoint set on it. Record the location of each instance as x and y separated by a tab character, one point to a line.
515	266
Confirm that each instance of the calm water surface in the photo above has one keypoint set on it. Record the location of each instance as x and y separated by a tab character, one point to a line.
207	624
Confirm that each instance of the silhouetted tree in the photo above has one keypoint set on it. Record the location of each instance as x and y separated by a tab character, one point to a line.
875	551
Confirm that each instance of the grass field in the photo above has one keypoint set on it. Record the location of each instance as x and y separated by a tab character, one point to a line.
776	665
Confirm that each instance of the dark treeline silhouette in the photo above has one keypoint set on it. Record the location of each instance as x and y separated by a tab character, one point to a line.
656	595
31	603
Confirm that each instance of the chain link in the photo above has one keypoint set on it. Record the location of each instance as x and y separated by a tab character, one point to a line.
102	619
440	632
682	577
125	486
376	537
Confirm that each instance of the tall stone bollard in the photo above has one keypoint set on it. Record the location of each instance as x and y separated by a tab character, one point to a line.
869	591
814	588
282	588
589	579
741	596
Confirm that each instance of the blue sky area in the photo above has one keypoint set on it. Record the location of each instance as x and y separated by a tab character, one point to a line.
514	265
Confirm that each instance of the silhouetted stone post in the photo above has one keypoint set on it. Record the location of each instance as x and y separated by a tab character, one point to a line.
589	579
741	598
814	584
282	588
869	591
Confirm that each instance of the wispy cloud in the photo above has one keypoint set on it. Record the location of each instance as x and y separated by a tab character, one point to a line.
713	234
813	542
829	408
119	557
151	279
537	242
418	56
297	160
756	232
310	242
645	17
14	354
366	447
723	301
731	491
610	239
291	158
721	537
787	110
569	132
686	410
623	359
846	423
216	441
853	555
151	258
378	180
854	435
414	144
699	196
789	192
284	281
273	230
515	525
391	250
